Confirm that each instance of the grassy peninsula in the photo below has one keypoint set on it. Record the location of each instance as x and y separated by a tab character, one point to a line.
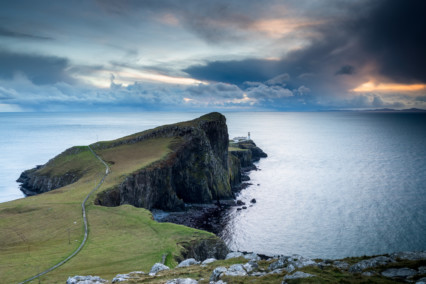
39	231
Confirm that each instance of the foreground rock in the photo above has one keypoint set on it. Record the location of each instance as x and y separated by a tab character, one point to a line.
188	262
157	268
86	280
369	263
182	281
399	272
127	277
243	267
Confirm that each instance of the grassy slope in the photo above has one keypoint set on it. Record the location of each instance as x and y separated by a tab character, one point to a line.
34	230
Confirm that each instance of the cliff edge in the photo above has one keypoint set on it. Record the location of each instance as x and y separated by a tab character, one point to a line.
193	165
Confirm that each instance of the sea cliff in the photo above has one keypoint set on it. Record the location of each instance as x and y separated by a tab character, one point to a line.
199	166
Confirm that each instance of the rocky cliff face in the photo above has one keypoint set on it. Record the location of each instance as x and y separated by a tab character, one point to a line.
197	171
44	178
199	168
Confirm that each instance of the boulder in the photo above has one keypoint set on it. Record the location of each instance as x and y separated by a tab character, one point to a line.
249	267
299	261
234	254
252	256
298	275
157	268
182	281
253	201
236	270
280	263
341	265
399	272
208	261
188	262
217	273
370	263
409	255
86	280
127	277
289	268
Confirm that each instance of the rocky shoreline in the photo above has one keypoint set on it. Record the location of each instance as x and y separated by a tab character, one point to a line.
209	217
243	267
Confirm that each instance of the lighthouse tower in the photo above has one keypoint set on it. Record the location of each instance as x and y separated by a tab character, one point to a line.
248	136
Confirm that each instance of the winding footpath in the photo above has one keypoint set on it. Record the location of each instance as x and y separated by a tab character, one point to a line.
86	231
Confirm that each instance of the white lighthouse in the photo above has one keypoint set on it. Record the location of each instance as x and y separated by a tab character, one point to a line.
248	136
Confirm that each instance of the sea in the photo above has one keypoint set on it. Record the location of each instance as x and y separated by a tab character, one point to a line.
334	184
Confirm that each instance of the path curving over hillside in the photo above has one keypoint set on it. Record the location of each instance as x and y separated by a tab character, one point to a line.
86	230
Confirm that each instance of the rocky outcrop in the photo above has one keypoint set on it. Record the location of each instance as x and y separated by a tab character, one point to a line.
204	249
44	178
255	152
198	169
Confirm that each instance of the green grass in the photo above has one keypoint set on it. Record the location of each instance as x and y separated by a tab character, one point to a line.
34	230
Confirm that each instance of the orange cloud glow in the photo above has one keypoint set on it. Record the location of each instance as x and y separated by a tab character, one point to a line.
278	27
370	86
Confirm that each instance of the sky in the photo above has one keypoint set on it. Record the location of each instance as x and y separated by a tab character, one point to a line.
236	55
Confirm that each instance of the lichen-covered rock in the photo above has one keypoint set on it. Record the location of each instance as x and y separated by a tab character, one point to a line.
341	264
188	262
157	268
410	255
369	263
127	277
86	280
236	270
299	261
399	272
217	273
252	256
208	261
298	275
182	281
234	254
280	263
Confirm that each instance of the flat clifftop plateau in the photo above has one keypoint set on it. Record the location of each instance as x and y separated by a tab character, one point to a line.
162	168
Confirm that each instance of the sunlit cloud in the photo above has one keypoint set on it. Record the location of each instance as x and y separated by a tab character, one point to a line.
371	86
128	76
277	28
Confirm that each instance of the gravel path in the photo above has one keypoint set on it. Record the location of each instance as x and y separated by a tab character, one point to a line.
86	232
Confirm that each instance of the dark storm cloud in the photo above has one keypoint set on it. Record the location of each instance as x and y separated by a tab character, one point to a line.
394	34
236	72
346	70
39	69
385	34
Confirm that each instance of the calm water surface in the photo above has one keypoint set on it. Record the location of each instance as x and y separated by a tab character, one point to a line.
334	184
